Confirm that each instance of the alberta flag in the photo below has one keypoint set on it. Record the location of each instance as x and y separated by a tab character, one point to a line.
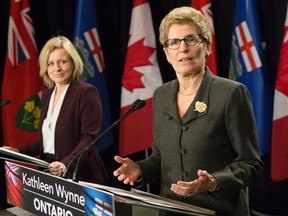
247	67
87	42
206	8
141	77
21	82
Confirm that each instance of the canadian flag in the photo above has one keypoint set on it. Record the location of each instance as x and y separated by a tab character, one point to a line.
141	77
279	149
205	7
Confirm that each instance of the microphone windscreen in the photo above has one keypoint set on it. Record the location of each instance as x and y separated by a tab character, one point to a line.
138	104
5	102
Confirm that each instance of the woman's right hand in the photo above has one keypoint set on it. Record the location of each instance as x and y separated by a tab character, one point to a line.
129	172
11	148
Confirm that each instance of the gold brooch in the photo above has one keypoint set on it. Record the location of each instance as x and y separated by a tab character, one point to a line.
200	107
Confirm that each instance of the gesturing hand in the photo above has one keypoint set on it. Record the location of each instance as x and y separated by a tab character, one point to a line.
128	172
204	182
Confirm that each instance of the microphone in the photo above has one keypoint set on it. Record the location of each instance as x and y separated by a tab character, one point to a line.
5	102
138	104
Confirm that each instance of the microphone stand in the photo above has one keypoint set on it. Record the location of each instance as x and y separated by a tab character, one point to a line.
98	138
138	104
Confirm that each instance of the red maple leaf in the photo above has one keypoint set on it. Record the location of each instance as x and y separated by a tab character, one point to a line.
137	55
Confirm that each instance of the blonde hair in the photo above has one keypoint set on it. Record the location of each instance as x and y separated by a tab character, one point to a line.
58	43
185	15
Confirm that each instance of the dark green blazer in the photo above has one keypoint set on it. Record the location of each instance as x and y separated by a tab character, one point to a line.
222	140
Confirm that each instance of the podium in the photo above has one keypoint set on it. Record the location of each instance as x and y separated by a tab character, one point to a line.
44	194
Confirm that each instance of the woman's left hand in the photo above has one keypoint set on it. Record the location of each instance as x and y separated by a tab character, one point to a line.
204	183
56	168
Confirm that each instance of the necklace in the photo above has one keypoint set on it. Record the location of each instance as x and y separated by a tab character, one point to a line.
198	80
189	93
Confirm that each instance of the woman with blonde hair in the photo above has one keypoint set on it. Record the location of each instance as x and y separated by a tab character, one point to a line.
71	113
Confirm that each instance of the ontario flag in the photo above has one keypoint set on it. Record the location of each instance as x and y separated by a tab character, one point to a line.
279	150
206	8
141	77
246	66
87	43
14	185
21	82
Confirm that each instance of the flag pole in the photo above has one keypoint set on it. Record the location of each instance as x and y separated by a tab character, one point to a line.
148	185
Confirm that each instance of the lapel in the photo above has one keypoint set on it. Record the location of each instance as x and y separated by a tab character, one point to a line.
70	94
170	100
45	100
201	96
